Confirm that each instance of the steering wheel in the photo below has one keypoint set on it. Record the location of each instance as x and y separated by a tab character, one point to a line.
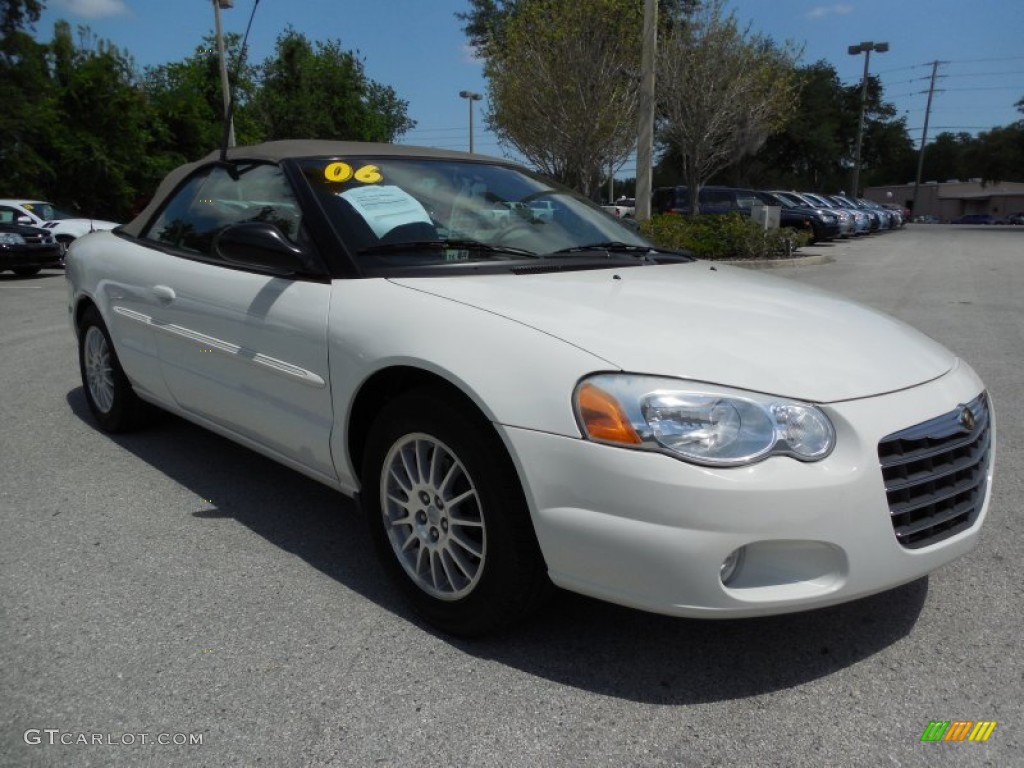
514	230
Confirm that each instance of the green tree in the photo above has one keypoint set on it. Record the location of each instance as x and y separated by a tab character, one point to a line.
99	157
815	150
486	21
16	16
943	156
564	88
887	155
722	91
187	104
28	119
808	153
996	155
319	91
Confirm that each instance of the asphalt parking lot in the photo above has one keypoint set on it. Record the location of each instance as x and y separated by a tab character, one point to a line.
173	586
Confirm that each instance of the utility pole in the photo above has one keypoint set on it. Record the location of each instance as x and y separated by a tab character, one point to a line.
645	134
924	136
225	88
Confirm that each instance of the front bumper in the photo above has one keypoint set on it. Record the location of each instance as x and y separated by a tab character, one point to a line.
29	255
652	532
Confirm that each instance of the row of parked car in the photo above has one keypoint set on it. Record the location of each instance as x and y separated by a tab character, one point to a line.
825	217
35	234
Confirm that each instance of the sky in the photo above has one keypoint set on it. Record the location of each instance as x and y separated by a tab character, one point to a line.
418	48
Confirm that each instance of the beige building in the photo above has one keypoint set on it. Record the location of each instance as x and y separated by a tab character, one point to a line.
950	199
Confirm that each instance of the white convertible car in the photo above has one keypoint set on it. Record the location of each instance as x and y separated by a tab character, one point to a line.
527	400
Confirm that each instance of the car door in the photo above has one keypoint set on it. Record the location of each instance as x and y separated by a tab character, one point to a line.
240	349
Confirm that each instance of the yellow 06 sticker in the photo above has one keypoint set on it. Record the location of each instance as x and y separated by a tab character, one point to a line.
341	172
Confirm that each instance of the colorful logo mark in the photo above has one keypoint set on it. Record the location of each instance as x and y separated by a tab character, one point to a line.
958	730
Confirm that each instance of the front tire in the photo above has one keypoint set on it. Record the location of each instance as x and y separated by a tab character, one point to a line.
108	392
26	271
448	516
64	241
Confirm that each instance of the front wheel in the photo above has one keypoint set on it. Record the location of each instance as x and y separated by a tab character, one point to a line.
64	241
108	392
26	271
448	516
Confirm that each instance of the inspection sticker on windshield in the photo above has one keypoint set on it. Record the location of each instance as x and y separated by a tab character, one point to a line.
386	207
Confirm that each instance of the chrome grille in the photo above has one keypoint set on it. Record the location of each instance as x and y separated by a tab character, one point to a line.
936	473
38	238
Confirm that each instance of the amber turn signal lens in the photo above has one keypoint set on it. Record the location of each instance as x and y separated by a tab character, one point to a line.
602	417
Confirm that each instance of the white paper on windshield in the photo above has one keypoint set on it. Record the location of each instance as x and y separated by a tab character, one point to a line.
386	207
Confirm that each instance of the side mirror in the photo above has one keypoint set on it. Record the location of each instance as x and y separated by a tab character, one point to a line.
23	219
259	245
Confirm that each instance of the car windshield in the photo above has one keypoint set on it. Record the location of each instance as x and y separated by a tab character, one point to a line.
423	211
44	211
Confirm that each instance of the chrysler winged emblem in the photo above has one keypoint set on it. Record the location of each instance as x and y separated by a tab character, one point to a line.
966	419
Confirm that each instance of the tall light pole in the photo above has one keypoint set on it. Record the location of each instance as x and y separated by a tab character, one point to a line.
217	5
856	50
471	97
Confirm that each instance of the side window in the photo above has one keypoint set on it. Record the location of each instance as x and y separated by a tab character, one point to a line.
7	215
212	200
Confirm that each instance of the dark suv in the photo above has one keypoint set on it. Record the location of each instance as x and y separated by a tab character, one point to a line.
710	200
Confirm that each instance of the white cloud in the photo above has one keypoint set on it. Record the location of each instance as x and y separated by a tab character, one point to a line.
93	9
821	11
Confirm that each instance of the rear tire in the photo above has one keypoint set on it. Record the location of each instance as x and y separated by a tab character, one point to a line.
26	271
108	392
448	516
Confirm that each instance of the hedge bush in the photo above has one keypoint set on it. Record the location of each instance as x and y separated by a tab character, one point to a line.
722	236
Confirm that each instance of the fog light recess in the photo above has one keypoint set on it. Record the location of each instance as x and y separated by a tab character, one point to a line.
731	565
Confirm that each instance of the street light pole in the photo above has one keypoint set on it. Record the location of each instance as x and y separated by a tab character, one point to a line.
471	97
225	88
856	50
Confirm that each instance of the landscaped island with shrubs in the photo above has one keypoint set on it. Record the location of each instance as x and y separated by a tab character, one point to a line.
723	236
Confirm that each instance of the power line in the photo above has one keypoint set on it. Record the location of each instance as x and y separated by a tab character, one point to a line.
987	74
975	61
987	88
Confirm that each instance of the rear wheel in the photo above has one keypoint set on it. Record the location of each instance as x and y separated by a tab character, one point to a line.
448	516
108	392
26	271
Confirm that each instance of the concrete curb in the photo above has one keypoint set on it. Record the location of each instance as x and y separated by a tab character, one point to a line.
796	261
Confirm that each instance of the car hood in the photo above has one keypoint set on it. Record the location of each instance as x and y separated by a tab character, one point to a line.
82	222
712	323
811	211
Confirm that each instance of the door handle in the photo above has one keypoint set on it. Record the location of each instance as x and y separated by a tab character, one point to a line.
164	293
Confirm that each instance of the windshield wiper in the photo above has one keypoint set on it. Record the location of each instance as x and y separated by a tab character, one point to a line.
445	245
614	246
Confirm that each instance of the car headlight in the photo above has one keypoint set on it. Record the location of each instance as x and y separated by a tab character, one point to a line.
11	238
698	424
